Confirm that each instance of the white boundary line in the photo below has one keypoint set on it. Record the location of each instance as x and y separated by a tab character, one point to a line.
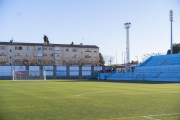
150	116
147	116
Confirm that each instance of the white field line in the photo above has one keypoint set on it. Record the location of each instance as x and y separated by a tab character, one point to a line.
164	114
150	116
147	116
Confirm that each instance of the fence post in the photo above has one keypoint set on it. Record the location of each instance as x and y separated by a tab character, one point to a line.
54	71
80	72
67	71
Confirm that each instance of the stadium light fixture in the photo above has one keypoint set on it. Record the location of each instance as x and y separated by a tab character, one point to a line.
127	26
171	15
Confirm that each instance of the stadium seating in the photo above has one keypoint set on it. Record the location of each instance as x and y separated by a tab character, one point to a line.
115	76
156	68
127	76
104	75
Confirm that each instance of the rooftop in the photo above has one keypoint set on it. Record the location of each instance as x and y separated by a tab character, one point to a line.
52	45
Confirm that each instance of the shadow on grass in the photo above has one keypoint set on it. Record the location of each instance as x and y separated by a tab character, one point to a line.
117	81
70	80
137	81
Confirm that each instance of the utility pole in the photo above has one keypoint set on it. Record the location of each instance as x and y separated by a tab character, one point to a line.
116	57
124	63
171	19
122	57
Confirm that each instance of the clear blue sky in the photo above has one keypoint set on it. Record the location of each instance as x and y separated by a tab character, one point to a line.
98	22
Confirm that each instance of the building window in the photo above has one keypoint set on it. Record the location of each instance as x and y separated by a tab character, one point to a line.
87	56
44	54
10	57
18	55
2	54
44	48
67	56
95	50
75	50
95	56
56	55
18	48
39	54
67	49
75	56
2	47
50	48
39	48
50	55
18	61
27	55
10	50
87	50
56	48
27	48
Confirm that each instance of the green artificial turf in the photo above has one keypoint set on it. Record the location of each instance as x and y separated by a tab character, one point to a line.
89	100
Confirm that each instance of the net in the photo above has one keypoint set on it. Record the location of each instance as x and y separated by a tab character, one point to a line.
29	75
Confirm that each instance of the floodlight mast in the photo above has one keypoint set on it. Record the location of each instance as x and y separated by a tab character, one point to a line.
171	19
127	26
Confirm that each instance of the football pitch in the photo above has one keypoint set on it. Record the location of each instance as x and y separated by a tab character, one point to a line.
80	99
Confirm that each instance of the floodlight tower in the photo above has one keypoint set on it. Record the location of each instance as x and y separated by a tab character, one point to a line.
171	19
127	26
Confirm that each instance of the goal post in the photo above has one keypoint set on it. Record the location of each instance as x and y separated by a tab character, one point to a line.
29	75
45	76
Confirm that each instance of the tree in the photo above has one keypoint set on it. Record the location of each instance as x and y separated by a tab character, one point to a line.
101	60
146	56
94	60
46	39
45	60
58	60
81	60
72	43
108	59
176	49
4	60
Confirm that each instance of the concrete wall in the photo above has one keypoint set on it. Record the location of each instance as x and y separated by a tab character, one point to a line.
63	72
